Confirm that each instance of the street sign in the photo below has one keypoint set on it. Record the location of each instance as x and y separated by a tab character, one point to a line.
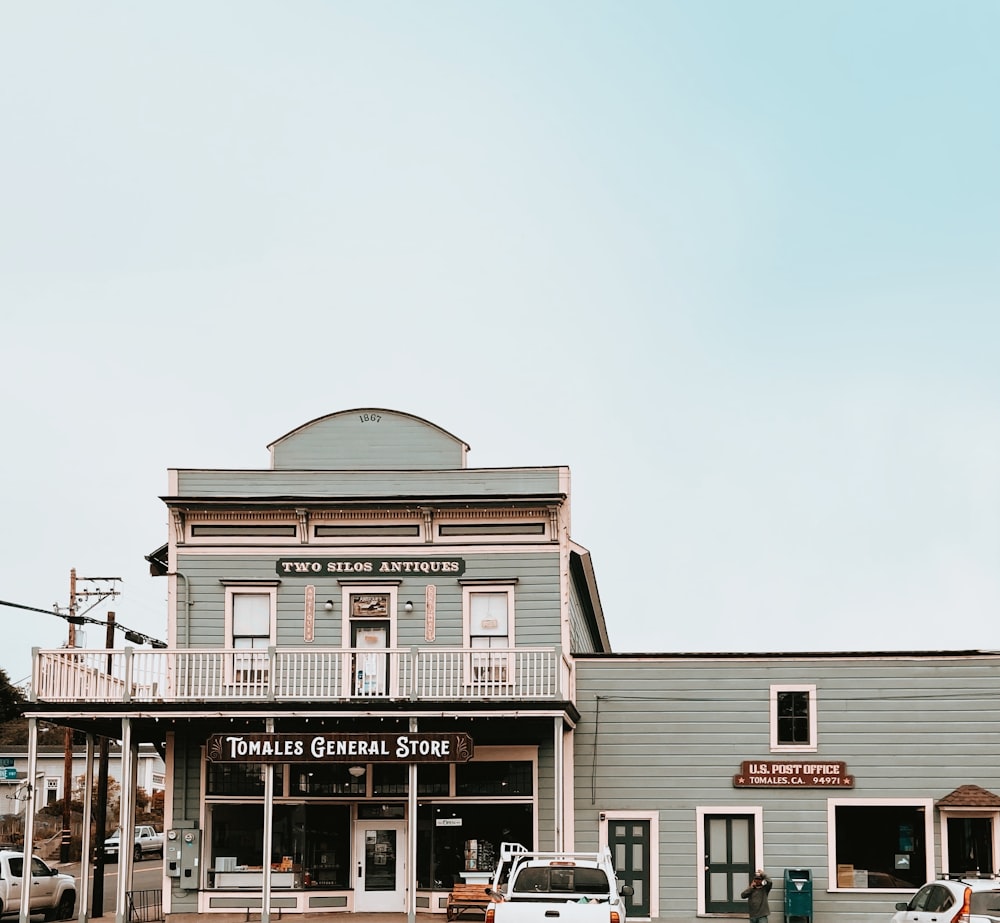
9	772
6	761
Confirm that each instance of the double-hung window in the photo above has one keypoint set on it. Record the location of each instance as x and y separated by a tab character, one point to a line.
793	718
489	633
250	618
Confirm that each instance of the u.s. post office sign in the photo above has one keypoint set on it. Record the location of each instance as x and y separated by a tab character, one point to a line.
796	774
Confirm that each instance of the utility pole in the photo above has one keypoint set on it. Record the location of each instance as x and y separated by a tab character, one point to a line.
76	596
101	816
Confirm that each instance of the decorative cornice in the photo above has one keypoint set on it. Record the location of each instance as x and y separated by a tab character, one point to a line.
178	518
428	524
493	513
368	515
286	516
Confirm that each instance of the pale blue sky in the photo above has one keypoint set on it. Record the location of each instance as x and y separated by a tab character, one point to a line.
736	264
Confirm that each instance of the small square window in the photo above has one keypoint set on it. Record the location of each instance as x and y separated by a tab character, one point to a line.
793	718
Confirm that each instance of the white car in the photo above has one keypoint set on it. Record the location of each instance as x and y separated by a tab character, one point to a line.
49	890
959	900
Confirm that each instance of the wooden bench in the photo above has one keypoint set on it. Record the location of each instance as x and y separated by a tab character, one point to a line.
467	897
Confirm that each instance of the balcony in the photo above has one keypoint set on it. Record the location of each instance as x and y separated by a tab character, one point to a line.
300	675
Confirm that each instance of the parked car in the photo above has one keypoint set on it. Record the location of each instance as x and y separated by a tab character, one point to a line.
959	900
145	841
535	887
51	892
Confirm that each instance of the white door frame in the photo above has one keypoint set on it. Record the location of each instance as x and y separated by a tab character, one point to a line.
379	901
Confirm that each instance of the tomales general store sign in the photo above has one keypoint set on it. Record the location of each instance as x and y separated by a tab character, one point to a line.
778	774
340	748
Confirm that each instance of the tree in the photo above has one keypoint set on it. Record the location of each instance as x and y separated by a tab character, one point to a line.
11	699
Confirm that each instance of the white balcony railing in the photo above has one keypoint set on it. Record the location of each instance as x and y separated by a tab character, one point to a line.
295	674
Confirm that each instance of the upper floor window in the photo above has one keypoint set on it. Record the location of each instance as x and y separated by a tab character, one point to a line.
793	718
489	631
250	630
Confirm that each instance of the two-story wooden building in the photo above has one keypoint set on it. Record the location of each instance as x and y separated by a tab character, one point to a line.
368	684
383	664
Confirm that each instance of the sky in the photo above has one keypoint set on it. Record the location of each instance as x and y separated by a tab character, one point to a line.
735	264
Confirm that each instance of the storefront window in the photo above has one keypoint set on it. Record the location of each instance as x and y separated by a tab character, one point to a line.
488	778
239	778
325	779
310	843
881	846
432	779
390	779
455	840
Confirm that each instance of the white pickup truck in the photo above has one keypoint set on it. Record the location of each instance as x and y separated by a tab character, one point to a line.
544	887
51	892
146	841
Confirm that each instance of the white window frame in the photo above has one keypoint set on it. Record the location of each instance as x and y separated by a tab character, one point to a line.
269	589
653	817
254	539
480	534
498	675
958	813
347	623
831	833
812	746
741	810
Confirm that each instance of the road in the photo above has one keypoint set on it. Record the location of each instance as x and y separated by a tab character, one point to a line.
146	875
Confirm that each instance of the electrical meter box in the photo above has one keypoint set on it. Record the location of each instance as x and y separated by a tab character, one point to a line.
172	853
181	856
190	858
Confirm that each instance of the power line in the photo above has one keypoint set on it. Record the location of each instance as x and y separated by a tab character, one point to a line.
136	637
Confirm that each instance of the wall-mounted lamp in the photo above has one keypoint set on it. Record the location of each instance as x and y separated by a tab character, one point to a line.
407	607
328	605
357	771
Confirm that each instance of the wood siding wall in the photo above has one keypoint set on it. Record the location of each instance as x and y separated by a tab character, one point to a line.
536	599
669	734
369	439
478	483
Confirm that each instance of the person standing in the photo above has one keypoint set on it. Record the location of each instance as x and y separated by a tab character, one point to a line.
756	896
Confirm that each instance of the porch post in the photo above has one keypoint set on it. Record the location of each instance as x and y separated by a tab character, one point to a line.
557	784
265	906
126	822
88	800
411	838
29	806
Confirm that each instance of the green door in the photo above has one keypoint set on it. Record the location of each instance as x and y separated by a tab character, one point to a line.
629	842
729	861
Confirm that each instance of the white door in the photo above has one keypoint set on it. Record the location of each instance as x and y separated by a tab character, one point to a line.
379	866
370	643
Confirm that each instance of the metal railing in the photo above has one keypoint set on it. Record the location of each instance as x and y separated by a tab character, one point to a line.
296	674
145	906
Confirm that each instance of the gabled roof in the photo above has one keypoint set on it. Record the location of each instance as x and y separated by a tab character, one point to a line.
970	796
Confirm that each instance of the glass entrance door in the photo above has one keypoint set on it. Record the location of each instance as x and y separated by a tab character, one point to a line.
379	866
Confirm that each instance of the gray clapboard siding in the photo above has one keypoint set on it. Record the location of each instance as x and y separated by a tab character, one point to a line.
476	483
581	640
536	599
672	732
368	438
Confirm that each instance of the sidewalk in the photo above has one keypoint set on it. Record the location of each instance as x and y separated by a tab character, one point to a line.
328	916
